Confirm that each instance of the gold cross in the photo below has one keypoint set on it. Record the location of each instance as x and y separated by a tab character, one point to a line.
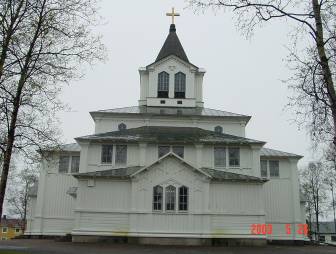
173	14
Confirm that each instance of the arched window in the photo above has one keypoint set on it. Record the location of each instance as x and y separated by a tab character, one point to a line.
180	85
219	129
163	85
157	198
122	127
170	198
183	198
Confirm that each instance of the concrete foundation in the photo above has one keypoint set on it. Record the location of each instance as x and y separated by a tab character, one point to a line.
171	241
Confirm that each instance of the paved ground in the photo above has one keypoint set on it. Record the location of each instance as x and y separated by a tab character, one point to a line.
52	247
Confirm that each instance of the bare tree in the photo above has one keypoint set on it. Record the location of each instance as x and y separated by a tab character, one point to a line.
313	63
17	197
44	44
314	187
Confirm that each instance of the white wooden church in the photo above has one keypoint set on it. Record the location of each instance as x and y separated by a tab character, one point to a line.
168	171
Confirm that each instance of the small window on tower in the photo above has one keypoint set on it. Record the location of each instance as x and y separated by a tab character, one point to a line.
180	85
122	127
219	129
163	85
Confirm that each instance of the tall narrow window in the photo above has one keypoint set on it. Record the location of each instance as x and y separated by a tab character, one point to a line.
180	85
274	168
74	164
121	154
163	150
106	154
263	168
63	164
179	151
183	198
170	198
220	156
163	85
234	157
157	198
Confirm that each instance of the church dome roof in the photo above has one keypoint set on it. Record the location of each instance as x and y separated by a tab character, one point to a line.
172	46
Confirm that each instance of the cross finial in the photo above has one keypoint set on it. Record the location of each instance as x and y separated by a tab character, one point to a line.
173	14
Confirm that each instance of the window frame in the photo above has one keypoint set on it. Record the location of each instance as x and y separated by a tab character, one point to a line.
17	230
278	168
230	149
261	170
170	200
117	159
122	127
177	153
64	171
218	129
103	162
185	196
72	164
4	230
218	165
163	85
163	153
157	196
180	80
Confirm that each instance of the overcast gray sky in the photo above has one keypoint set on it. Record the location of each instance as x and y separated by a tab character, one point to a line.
243	76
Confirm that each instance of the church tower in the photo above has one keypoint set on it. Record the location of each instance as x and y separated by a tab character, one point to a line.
172	80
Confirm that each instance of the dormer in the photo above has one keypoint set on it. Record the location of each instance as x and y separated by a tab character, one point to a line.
171	81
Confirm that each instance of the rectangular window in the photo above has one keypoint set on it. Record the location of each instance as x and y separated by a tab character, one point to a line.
183	198
4	230
63	166
163	85
274	168
157	198
333	238
170	198
163	150
220	156
74	164
263	168
179	151
106	154
121	154
17	230
234	157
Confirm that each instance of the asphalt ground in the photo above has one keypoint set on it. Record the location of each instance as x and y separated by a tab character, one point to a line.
52	247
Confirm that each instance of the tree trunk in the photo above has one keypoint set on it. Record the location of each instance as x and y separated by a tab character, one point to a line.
327	75
16	107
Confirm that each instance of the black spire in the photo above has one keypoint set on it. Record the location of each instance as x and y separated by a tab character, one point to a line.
172	46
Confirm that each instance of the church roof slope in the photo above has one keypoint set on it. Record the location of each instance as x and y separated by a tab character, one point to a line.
171	111
110	173
220	175
172	46
159	134
267	152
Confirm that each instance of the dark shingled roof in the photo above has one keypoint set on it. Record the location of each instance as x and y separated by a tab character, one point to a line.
126	173
267	152
229	176
172	46
171	111
110	173
164	134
